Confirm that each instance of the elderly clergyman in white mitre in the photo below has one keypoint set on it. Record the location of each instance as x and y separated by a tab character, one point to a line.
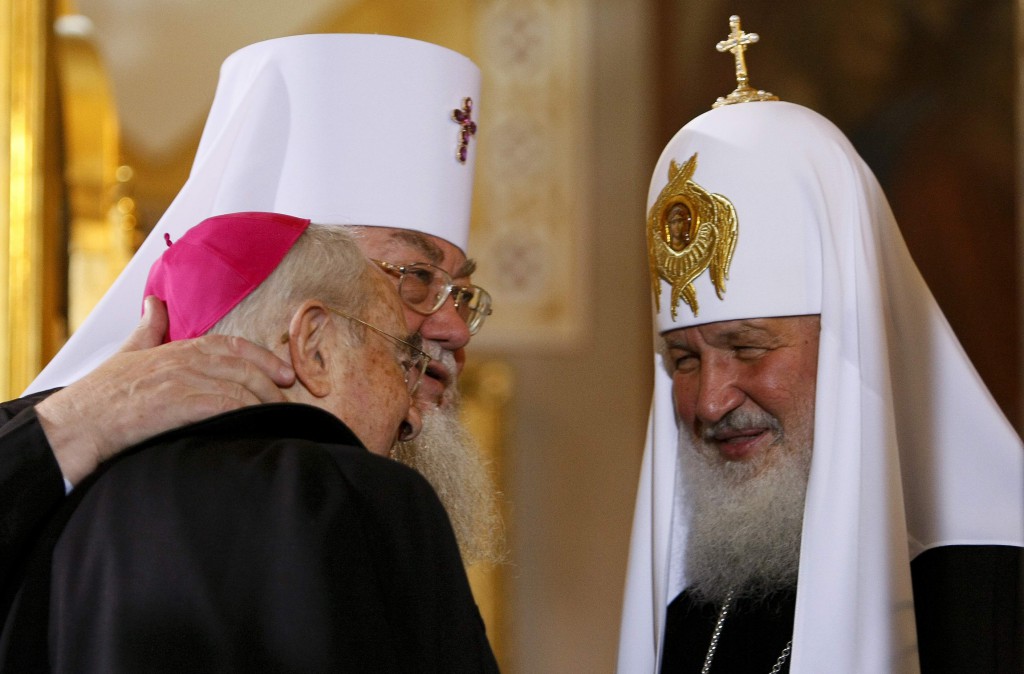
827	484
373	132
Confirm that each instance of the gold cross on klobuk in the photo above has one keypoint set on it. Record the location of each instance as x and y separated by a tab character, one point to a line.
737	43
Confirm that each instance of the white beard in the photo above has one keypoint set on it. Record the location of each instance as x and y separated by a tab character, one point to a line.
745	519
449	458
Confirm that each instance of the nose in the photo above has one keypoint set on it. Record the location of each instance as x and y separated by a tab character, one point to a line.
718	391
413	319
412	424
446	327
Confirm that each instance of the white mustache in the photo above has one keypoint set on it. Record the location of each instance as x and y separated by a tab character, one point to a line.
741	420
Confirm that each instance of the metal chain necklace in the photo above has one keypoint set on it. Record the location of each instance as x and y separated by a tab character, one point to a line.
718	632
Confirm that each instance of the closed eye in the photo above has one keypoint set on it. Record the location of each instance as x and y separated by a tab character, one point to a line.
750	352
683	361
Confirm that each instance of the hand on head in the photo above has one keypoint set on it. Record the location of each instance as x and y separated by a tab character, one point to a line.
156	387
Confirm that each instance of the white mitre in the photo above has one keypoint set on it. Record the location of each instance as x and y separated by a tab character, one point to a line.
340	129
910	450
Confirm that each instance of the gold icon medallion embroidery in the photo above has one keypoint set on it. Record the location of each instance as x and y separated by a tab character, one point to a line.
689	230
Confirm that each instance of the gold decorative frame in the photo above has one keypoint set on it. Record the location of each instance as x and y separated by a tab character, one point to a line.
24	101
66	228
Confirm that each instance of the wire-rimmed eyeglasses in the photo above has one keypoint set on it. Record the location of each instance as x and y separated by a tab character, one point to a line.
414	361
424	289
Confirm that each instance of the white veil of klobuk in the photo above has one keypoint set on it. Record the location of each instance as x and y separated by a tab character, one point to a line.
342	129
910	450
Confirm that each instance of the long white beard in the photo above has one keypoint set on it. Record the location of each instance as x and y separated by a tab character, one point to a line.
745	520
450	459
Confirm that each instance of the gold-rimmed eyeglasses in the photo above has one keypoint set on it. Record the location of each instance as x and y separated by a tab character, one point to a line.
424	289
413	360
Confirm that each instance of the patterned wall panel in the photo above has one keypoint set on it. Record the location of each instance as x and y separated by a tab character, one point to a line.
530	220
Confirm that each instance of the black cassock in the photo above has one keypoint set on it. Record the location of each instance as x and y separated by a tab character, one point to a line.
967	602
266	539
31	487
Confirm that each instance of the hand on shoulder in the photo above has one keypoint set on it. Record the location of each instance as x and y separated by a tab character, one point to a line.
148	387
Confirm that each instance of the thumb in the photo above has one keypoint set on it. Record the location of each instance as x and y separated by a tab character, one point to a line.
151	329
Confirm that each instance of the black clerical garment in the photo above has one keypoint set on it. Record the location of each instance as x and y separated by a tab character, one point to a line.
967	603
752	637
265	539
31	485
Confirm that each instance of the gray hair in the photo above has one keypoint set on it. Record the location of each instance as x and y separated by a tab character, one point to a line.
324	264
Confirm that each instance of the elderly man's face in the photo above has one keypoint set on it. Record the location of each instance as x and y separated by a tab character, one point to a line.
745	389
445	335
377	401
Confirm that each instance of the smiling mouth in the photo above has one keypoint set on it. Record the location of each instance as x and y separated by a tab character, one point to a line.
738	435
742	434
738	445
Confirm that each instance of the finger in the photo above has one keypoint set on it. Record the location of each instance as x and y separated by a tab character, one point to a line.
151	329
246	384
245	362
182	373
198	405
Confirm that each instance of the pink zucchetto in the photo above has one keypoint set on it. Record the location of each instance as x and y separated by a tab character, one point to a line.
216	264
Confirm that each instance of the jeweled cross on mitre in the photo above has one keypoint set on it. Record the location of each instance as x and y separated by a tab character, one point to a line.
464	116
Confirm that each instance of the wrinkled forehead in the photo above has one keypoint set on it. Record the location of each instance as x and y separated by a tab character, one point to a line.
756	330
430	248
405	246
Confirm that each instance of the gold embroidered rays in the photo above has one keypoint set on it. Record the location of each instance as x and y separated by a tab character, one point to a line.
689	230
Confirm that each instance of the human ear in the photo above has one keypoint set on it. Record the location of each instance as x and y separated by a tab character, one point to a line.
309	345
412	424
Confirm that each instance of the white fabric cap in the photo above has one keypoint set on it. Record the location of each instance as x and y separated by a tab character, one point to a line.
776	270
910	450
340	129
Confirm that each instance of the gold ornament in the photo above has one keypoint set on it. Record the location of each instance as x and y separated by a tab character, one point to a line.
689	230
737	43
